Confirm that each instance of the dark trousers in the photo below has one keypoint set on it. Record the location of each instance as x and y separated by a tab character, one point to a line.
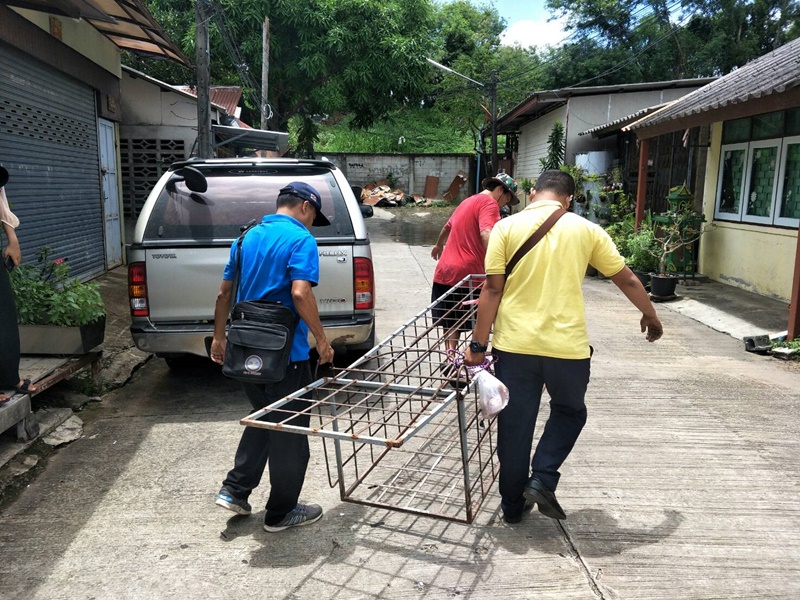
9	334
287	453
524	375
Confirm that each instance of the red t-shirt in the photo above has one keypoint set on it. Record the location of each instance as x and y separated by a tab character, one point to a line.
464	252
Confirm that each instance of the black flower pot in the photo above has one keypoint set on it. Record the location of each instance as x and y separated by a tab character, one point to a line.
663	286
643	277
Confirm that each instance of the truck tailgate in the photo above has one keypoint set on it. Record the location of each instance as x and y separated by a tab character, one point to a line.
183	282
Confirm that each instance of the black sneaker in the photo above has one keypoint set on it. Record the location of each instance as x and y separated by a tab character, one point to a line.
514	519
545	499
302	514
238	505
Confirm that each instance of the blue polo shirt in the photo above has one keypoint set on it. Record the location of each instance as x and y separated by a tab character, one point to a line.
276	252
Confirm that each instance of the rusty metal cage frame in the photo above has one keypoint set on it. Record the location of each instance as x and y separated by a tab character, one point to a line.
401	426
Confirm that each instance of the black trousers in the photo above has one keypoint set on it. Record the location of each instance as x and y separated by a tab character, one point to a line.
286	453
9	334
524	375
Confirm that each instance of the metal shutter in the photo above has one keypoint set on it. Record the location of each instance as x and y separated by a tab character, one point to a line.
48	143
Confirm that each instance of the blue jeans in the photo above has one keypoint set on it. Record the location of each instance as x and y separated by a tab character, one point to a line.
286	453
524	375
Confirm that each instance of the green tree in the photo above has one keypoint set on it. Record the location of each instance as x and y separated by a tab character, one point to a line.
356	56
467	39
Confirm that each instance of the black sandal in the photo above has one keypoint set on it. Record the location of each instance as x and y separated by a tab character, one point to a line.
25	388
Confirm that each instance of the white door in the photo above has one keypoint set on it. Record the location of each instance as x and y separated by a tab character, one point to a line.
108	170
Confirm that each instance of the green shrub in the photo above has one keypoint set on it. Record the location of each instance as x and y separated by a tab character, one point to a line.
45	294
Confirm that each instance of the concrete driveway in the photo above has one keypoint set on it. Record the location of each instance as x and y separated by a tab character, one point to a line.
684	484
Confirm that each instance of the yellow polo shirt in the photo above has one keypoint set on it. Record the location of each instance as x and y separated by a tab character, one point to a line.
542	310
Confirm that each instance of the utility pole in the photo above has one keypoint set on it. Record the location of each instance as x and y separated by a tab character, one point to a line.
265	77
491	87
202	58
493	92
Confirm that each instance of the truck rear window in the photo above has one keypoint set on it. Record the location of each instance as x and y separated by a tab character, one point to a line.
236	196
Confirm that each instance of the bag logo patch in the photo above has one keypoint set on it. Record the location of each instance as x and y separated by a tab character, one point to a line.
253	363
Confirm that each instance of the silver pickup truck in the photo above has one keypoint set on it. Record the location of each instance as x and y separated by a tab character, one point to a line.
183	238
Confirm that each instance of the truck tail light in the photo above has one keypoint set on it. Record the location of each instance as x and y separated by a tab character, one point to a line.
137	289
365	284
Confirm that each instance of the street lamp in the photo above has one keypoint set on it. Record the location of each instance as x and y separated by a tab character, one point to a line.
491	87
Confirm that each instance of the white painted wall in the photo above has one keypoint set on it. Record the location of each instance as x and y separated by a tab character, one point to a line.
145	103
586	112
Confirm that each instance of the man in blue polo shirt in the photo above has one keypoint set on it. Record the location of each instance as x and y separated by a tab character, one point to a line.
279	262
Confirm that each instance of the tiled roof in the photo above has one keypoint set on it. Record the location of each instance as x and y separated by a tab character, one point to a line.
772	73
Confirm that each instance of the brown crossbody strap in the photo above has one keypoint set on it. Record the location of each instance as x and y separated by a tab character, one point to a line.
534	239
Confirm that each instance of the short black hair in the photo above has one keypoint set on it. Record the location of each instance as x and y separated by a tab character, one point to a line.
556	181
289	200
492	184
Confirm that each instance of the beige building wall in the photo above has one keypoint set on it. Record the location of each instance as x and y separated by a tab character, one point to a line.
756	258
81	37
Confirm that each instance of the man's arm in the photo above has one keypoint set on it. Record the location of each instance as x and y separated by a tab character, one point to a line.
12	249
306	305
485	233
436	251
633	289
221	311
488	303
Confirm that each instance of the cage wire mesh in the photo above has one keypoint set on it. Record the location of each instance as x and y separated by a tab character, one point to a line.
401	427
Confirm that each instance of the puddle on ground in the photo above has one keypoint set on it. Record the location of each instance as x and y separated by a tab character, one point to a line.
416	230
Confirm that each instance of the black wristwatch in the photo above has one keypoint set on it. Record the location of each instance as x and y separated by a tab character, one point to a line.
476	346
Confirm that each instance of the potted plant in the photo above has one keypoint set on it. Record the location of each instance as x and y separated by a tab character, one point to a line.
56	313
641	251
676	230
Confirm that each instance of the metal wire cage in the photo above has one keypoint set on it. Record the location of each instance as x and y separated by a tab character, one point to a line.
401	426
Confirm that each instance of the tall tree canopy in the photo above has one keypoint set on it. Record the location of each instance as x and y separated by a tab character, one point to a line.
627	41
358	56
356	63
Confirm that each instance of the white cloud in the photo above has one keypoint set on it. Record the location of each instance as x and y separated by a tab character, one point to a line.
529	32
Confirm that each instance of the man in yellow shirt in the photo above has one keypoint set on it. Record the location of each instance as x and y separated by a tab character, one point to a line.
540	337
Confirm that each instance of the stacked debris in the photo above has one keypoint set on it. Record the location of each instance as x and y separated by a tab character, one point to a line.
377	194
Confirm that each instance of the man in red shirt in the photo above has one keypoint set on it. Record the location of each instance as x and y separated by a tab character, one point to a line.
466	234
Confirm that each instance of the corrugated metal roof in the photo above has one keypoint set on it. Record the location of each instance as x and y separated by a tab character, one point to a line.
544	101
226	96
616	125
773	73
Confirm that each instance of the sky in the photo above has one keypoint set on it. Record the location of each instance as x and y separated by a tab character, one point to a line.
527	23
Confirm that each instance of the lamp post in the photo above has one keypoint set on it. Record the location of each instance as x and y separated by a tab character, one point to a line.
491	87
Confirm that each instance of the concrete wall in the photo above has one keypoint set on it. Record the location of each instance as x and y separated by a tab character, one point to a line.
752	257
81	37
533	143
409	169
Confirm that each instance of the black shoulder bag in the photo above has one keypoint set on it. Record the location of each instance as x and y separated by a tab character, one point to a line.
260	336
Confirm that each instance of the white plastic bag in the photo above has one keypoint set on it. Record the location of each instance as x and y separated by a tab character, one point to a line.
492	394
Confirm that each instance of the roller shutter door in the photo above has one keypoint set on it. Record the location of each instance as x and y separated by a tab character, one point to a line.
48	143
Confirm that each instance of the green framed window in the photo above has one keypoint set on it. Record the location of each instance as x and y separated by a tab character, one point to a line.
759	170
